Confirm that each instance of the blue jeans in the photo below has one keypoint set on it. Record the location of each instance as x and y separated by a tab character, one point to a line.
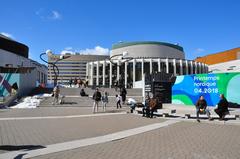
206	111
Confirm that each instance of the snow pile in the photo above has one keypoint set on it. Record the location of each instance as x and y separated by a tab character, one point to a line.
31	102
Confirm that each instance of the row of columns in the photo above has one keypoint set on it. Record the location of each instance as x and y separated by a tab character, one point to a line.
199	67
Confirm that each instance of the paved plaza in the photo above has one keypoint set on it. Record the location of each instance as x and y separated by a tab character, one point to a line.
74	132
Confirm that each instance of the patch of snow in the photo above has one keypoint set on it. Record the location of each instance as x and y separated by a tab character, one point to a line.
31	102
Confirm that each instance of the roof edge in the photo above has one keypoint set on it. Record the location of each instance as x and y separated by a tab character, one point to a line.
125	44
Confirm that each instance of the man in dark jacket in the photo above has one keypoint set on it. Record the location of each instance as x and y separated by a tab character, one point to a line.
123	94
201	108
222	108
96	97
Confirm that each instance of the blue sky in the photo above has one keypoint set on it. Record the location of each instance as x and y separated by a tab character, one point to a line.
92	26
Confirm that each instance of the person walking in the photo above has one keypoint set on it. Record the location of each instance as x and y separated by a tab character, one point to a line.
153	103
56	92
222	108
96	97
118	100
104	100
146	107
70	82
201	108
75	81
123	94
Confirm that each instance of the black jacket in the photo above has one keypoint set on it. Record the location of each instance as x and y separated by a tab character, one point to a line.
97	96
223	105
201	104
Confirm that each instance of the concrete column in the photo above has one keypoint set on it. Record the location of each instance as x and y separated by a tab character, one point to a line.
206	68
110	75
143	88
104	72
174	67
91	76
150	63
167	65
191	64
196	67
199	68
125	75
134	72
181	66
118	70
202	68
142	67
159	65
186	63
97	78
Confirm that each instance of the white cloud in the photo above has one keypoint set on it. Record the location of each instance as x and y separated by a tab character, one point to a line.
98	50
199	50
8	35
48	15
55	15
63	52
68	48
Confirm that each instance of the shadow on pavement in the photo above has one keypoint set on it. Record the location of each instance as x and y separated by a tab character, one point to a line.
20	156
20	147
70	103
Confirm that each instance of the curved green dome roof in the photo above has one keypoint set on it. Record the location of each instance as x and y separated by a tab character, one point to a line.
125	44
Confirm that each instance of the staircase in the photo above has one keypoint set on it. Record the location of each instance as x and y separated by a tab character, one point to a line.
89	91
73	98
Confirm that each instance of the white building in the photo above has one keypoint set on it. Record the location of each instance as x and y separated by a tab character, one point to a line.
142	57
229	66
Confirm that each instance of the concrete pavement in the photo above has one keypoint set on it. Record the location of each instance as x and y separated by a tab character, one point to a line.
55	125
182	140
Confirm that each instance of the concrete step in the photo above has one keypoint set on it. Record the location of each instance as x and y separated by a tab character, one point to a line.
81	101
111	91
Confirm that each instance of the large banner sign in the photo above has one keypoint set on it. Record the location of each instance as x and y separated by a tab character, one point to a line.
187	89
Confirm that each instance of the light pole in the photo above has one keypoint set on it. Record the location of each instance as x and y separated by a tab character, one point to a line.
56	74
122	57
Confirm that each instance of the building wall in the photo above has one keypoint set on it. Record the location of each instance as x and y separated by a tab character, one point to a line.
6	82
106	73
8	58
25	82
220	57
230	66
71	67
150	50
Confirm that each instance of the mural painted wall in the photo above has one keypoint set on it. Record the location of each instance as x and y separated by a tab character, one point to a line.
7	80
188	88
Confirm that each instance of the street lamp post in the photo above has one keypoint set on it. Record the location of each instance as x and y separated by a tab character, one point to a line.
56	74
123	57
